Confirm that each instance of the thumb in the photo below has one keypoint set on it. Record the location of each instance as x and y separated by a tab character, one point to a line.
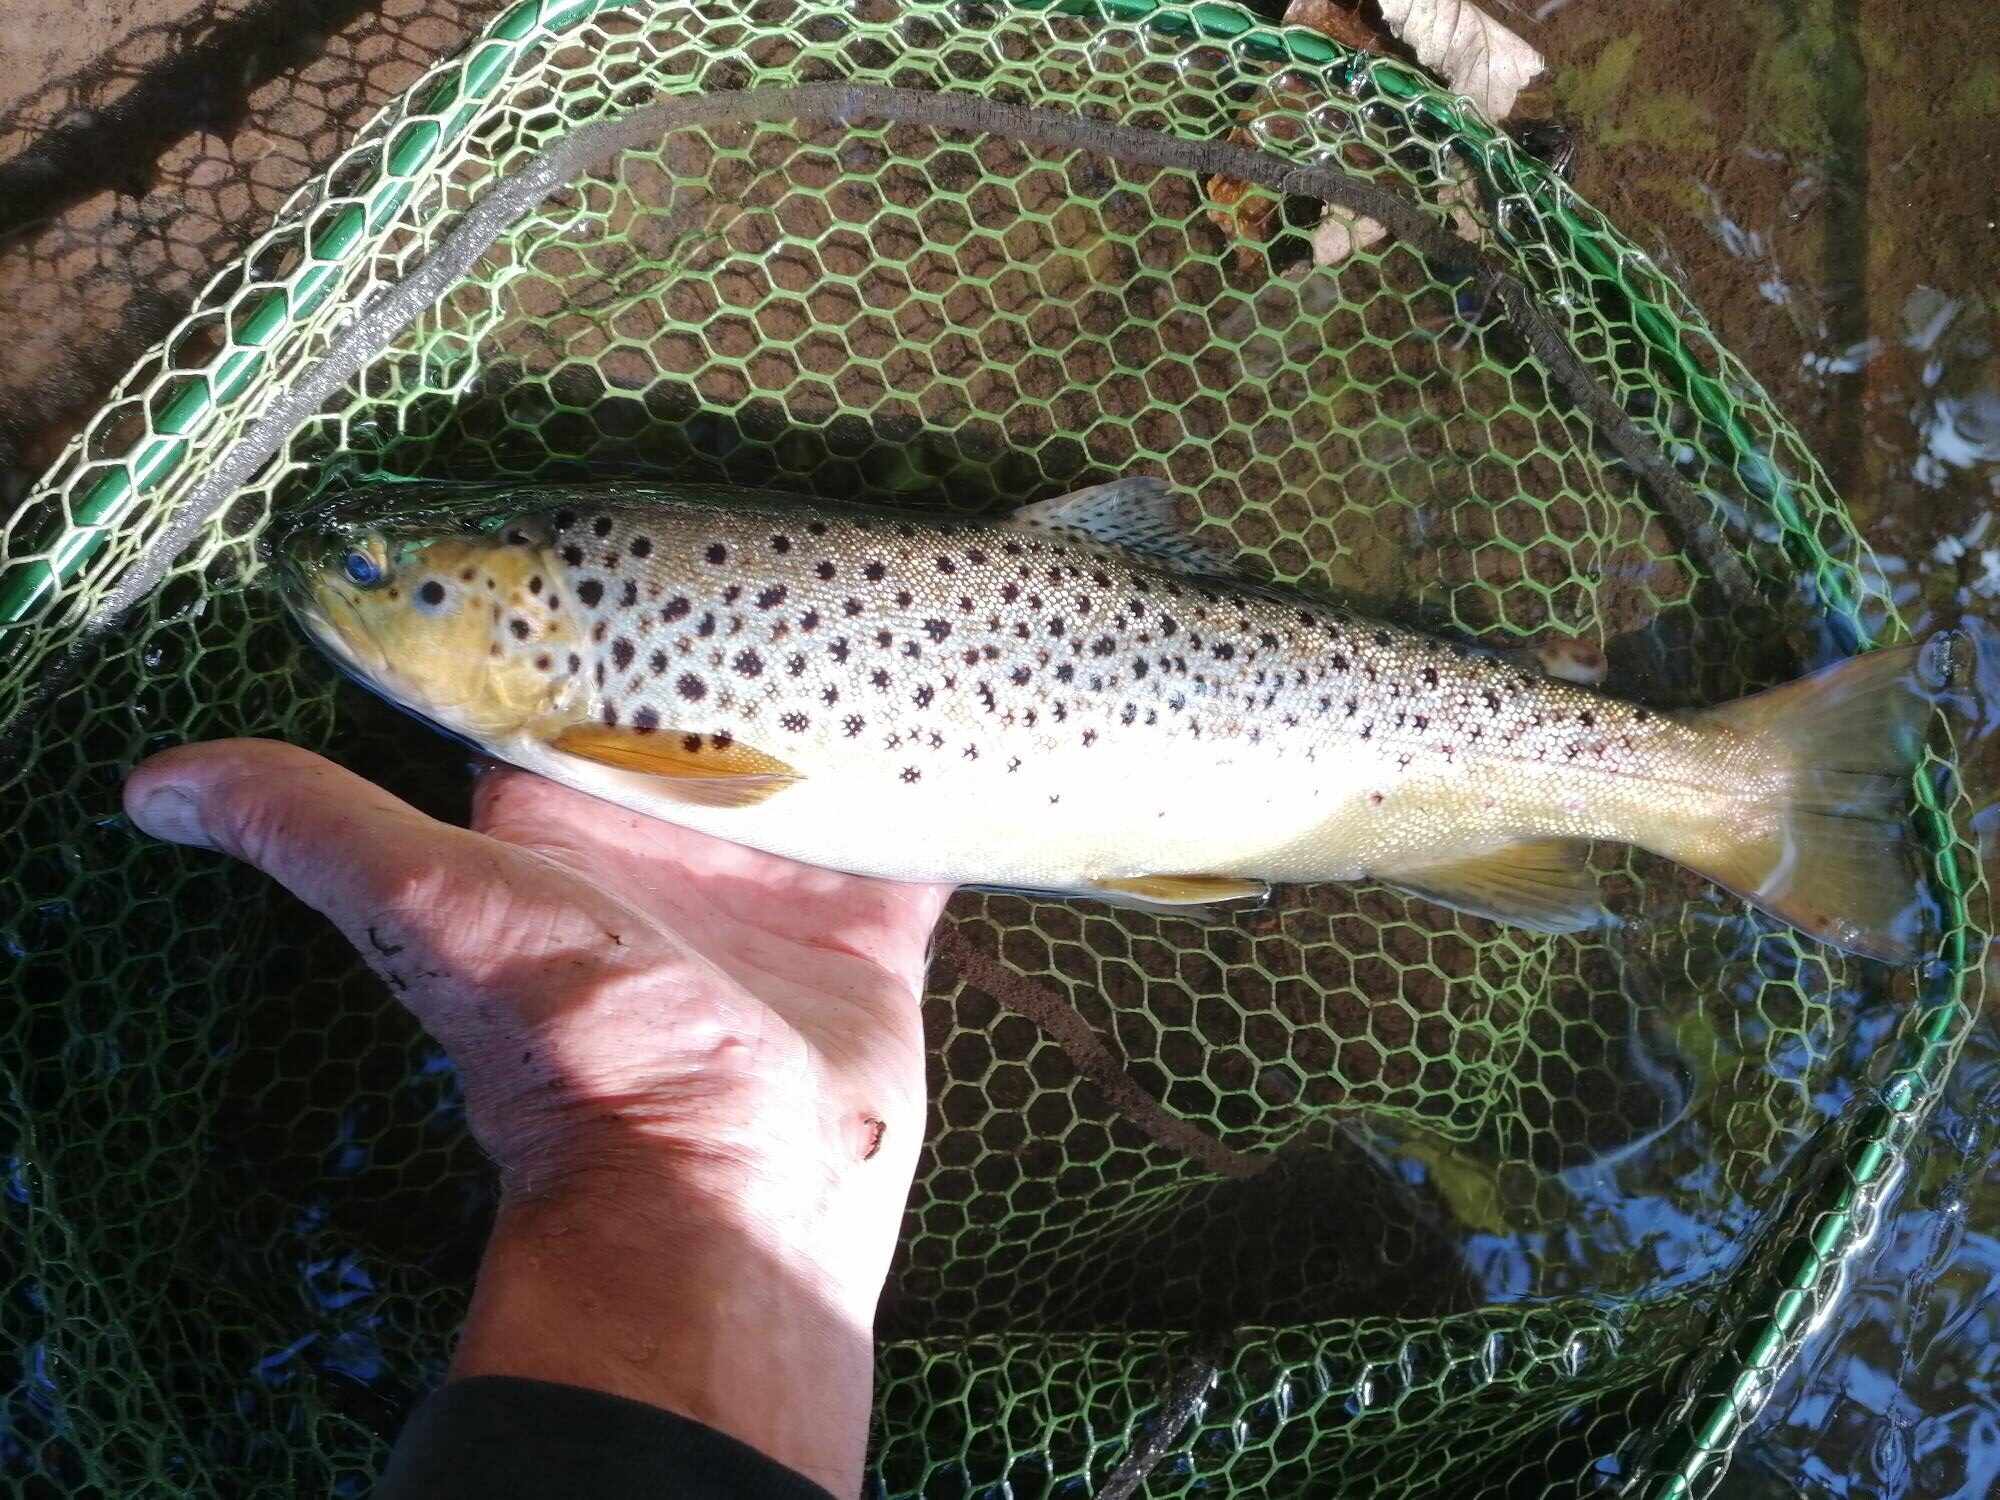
340	844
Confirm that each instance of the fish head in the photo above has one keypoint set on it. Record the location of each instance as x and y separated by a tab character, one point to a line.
461	620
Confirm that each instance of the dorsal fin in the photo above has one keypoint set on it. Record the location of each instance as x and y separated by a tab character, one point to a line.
1135	516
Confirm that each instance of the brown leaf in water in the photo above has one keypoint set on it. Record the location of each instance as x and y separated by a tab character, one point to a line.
1330	18
1473	53
1257	217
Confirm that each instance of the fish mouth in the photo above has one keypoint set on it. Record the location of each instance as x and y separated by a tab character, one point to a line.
328	614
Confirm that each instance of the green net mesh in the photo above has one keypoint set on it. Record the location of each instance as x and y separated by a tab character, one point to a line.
1353	1193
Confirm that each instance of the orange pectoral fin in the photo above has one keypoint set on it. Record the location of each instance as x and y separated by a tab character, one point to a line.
702	769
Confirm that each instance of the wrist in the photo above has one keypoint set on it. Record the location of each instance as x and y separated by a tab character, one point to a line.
680	1289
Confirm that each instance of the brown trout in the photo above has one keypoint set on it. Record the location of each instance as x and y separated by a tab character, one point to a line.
1076	699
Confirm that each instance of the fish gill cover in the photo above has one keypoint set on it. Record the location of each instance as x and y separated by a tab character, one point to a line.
1351	1193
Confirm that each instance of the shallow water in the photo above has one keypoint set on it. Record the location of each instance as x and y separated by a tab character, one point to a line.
1821	175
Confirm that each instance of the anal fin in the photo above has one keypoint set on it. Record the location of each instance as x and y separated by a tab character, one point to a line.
1540	884
706	770
1184	890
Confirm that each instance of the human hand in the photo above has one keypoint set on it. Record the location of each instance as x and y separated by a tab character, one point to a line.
699	1067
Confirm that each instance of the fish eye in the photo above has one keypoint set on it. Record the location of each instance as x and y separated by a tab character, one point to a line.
365	564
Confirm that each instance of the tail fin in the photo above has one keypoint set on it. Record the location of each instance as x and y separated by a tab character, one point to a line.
1835	861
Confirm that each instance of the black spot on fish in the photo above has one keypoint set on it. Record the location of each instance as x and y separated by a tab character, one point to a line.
781	544
1641	715
816	528
748	663
1382	638
601	527
911	773
691	743
829	695
795	664
1587	719
1491	699
875	572
903	597
1019	676
609	715
717	554
809	621
731	594
771	597
642	546
879	679
1430	676
590	591
431	592
1065	673
521	628
1168	625
575	662
794	722
629	596
1223	651
658	662
946	565
851	608
691	687
621	653
675	608
1103	646
544	662
826	571
646	720
852	725
1090	736
923	695
706	626
573	555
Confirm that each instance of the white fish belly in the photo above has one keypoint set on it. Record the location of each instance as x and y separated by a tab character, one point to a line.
1183	810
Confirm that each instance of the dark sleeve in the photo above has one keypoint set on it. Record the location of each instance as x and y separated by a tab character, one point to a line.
495	1437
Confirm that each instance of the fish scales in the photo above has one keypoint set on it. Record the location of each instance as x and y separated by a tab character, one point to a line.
920	665
1004	705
